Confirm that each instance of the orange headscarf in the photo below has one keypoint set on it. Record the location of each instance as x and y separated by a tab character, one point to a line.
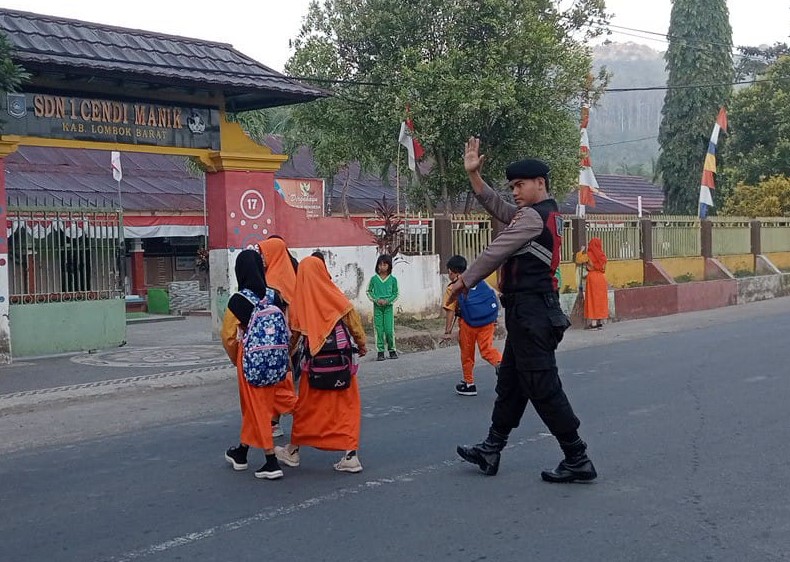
597	256
279	270
318	305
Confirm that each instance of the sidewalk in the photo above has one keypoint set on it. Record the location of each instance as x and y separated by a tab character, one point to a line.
182	354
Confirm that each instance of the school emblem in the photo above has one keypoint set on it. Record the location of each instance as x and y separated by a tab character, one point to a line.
305	187
17	107
196	124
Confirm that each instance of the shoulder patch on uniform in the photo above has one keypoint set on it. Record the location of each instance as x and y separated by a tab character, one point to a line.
518	216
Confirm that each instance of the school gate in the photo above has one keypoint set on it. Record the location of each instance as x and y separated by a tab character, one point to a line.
100	87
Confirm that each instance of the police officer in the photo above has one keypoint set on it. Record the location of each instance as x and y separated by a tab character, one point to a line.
528	249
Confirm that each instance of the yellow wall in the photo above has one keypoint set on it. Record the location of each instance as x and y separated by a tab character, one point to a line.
618	274
780	259
622	272
676	267
569	277
738	262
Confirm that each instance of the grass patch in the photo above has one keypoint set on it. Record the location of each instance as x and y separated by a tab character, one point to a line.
408	321
740	273
136	315
685	278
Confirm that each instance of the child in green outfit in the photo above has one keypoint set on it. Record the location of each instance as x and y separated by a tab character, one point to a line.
383	291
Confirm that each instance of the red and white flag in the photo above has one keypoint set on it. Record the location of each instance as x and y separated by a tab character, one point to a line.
588	185
413	147
117	172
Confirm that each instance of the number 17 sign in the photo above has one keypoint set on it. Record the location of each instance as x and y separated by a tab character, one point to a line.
252	204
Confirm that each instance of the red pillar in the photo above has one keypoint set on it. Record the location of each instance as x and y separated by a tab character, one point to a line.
5	329
138	268
240	208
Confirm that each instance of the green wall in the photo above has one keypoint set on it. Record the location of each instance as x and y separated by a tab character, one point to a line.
58	327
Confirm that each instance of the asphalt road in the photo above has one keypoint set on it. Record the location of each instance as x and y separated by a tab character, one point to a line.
687	429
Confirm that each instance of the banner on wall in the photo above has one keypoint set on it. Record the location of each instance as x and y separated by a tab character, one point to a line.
307	194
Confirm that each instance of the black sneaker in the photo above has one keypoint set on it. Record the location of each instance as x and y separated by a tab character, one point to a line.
380	356
466	389
393	354
271	470
237	456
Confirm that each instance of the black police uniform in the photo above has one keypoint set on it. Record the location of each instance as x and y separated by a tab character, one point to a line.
535	325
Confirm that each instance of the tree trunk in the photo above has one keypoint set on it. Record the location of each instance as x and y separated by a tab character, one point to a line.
442	163
425	194
468	203
345	194
329	191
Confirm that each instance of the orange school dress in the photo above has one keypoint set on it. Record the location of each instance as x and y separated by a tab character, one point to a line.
259	404
324	419
596	294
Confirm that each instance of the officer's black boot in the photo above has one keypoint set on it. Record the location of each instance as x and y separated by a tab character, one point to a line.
486	454
575	466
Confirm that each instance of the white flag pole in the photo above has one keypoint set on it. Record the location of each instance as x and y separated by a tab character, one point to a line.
117	174
397	183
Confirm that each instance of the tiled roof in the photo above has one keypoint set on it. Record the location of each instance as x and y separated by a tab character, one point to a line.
619	195
52	44
37	176
604	205
626	189
152	182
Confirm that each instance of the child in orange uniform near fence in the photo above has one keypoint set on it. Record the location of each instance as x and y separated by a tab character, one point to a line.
596	294
477	315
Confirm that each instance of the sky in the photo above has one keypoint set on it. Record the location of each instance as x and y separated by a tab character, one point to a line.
262	29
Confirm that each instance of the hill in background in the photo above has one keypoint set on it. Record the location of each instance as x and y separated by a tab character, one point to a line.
620	118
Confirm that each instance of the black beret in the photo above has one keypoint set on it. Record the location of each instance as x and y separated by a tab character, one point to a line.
527	169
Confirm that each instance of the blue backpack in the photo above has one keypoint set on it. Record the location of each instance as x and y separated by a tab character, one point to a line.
265	360
479	306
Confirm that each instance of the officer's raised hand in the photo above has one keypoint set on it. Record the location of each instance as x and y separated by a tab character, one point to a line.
473	160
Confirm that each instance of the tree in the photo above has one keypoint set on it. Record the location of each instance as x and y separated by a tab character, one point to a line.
12	76
699	53
261	122
759	142
510	71
769	198
754	61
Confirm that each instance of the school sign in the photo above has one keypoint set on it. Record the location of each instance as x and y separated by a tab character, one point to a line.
105	120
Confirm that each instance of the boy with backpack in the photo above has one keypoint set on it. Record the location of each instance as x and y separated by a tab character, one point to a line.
477	314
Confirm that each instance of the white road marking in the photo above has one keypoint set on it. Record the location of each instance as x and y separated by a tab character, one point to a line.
262	516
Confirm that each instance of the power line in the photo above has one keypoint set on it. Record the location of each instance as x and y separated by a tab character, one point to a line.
691	86
667	36
623	142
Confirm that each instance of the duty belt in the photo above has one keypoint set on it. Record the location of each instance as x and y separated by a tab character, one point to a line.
551	299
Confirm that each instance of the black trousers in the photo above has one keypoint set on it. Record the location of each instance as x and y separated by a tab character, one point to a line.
535	324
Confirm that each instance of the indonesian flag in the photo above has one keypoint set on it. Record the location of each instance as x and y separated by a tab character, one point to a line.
413	147
117	172
588	185
709	168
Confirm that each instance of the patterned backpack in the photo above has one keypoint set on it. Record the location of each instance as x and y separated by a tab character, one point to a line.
265	359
